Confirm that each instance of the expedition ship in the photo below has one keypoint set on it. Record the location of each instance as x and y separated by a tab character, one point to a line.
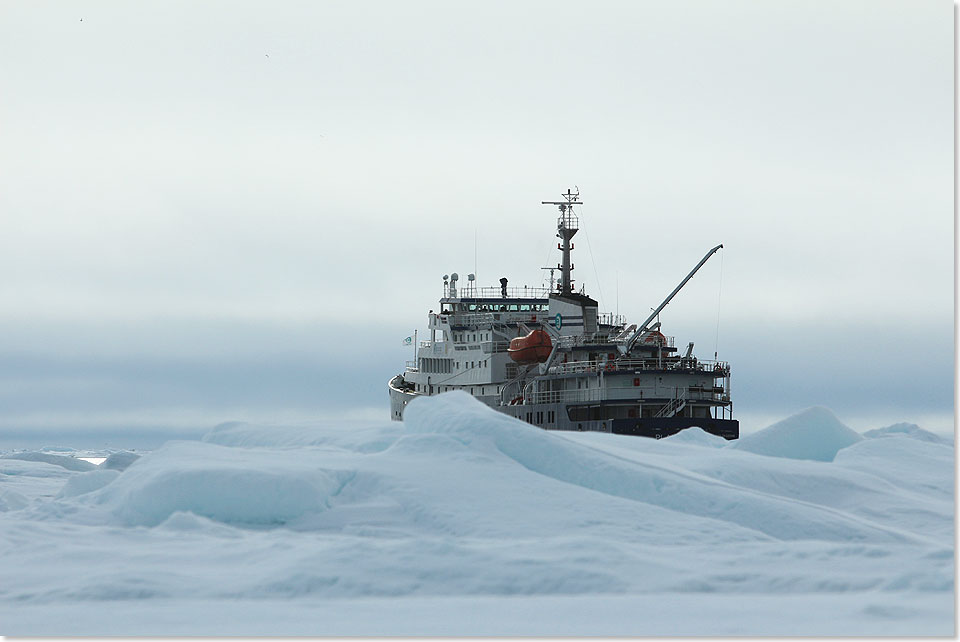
545	356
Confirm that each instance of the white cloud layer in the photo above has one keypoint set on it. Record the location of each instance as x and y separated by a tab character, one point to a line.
174	167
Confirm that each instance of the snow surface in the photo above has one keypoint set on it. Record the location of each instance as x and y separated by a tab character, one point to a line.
463	521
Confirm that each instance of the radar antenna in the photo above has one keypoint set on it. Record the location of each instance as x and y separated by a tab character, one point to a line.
552	280
567	226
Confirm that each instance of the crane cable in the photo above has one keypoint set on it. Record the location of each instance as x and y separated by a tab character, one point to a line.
716	340
596	274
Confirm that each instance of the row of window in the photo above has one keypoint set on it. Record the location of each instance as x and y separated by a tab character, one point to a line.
464	336
470	365
429	364
596	413
473	390
537	418
511	307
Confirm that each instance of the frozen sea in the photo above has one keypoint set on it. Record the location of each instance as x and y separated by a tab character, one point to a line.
462	521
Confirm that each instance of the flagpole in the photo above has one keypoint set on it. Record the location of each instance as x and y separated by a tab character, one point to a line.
415	364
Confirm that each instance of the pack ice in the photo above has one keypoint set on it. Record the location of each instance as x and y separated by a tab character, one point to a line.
463	521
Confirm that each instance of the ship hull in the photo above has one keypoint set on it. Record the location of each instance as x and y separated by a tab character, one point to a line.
399	397
658	427
556	417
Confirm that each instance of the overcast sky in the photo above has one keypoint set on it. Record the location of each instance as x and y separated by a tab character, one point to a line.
236	210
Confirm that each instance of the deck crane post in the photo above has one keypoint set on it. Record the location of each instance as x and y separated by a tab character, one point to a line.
627	345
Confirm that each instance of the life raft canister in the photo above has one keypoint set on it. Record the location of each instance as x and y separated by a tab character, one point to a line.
533	348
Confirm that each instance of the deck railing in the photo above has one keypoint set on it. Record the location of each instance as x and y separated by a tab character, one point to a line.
699	366
513	292
490	347
583	395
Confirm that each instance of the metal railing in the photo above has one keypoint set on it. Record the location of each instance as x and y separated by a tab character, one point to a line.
515	292
570	340
716	368
470	318
566	396
433	347
609	318
479	319
489	347
673	406
669	342
679	397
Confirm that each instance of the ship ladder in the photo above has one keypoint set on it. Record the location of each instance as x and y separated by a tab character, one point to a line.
674	406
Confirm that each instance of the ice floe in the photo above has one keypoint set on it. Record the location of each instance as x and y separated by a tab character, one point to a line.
284	529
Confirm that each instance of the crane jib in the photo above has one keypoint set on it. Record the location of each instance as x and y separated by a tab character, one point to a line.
628	345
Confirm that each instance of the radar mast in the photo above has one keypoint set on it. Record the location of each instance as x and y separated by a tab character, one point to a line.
567	226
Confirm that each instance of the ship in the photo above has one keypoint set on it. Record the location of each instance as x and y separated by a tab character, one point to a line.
547	356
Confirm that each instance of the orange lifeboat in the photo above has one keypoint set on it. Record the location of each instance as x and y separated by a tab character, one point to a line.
533	348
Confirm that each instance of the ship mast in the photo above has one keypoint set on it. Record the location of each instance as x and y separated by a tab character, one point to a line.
567	226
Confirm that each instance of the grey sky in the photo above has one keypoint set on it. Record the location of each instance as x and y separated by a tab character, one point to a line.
229	209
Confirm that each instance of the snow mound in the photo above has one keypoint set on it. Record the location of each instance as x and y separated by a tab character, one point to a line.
87	482
119	460
910	430
247	435
814	433
458	415
11	500
923	467
182	522
64	461
227	485
697	436
28	468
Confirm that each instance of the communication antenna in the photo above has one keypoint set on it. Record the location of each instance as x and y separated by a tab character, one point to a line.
551	276
567	226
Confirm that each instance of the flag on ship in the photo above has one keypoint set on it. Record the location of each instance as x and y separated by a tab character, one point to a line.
408	341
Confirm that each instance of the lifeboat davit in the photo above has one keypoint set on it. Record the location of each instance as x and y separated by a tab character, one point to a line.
533	348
